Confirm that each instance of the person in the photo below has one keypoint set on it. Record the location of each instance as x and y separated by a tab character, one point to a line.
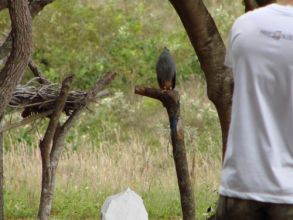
257	174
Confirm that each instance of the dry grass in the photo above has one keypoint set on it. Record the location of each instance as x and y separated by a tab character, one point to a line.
94	170
108	170
115	167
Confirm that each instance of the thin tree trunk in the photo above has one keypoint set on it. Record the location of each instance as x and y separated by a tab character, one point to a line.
48	186
53	142
48	170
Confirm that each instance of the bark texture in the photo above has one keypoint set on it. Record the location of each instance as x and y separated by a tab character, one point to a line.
210	49
171	101
15	66
19	57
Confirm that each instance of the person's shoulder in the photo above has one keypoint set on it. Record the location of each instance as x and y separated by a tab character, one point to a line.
251	16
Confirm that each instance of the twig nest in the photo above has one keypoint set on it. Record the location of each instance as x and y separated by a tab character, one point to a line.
35	98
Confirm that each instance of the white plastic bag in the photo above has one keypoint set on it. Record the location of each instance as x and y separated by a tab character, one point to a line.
126	205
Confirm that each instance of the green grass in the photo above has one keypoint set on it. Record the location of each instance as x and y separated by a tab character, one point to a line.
80	204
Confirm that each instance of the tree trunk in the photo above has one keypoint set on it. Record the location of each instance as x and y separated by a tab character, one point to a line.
210	49
15	66
46	146
48	186
19	57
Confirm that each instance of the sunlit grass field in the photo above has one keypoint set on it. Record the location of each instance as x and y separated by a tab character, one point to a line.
123	140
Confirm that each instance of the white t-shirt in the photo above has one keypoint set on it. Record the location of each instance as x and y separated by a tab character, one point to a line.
258	164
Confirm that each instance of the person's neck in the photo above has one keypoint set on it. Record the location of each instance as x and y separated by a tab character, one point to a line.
285	2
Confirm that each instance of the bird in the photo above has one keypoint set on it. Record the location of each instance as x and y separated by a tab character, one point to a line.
166	70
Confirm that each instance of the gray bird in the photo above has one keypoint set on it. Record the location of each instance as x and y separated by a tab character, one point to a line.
166	70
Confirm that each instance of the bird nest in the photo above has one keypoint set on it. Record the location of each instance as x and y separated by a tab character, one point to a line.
35	97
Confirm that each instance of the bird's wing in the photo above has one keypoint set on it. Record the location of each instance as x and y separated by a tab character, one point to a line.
160	82
174	80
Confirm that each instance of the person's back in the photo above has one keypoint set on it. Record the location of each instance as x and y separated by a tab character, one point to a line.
258	164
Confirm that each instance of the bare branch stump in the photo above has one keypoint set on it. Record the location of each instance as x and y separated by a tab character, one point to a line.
171	101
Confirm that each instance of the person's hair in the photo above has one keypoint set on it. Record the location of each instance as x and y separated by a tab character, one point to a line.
264	2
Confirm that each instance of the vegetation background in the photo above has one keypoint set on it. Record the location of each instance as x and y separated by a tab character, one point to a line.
123	140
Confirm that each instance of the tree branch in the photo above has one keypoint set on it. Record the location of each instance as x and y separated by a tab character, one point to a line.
150	92
59	137
171	101
100	84
25	121
37	73
54	120
35	7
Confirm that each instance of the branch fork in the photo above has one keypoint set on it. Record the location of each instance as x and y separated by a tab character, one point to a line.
52	144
